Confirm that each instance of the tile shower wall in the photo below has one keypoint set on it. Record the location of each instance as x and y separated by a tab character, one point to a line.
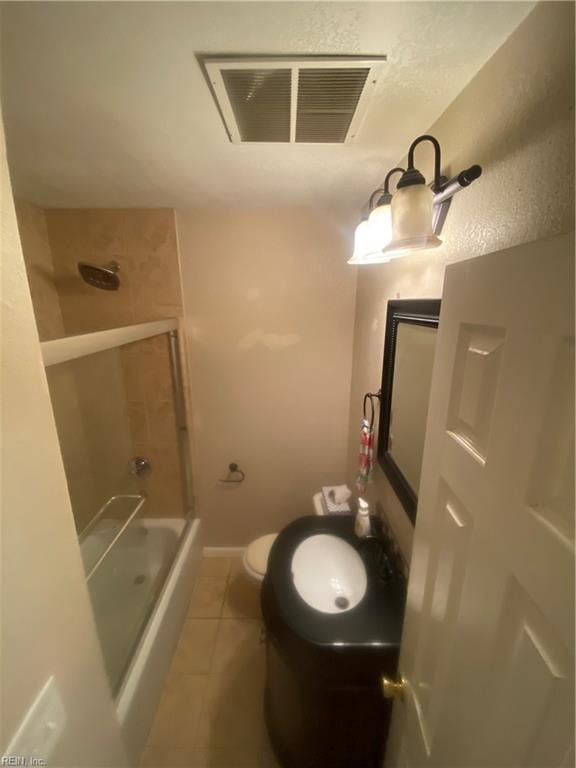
93	430
40	270
143	242
153	423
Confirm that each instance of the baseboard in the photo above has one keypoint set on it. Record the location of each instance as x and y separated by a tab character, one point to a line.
222	551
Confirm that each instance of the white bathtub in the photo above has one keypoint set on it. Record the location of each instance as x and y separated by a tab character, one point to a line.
122	591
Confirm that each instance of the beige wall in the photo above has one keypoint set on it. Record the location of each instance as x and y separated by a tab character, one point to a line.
269	306
515	118
47	626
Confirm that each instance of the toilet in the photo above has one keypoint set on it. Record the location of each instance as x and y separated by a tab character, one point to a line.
255	557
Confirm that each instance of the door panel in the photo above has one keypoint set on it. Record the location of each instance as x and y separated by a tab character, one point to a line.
529	664
488	643
440	610
474	385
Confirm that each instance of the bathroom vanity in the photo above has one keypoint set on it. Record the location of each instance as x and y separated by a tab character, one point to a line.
323	700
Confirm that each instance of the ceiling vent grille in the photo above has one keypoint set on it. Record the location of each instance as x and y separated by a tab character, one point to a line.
327	101
260	101
317	100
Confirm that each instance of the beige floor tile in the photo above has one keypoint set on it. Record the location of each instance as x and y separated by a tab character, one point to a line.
159	757
218	567
162	757
238	648
207	598
232	716
195	647
225	758
242	599
236	566
178	714
268	759
267	756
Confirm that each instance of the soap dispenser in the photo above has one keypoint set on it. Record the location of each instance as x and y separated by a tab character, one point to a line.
362	526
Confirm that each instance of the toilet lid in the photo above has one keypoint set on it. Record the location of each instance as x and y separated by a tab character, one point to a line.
257	552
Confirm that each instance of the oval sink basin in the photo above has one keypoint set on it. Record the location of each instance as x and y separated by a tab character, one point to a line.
328	573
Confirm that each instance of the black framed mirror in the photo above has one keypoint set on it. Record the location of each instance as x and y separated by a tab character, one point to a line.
409	346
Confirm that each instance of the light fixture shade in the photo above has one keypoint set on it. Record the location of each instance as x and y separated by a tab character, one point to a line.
380	221
366	245
412	221
361	238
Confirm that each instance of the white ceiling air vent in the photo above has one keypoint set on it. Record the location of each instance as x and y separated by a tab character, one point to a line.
310	100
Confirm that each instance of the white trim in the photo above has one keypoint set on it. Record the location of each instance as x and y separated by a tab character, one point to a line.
71	347
140	693
294	103
222	551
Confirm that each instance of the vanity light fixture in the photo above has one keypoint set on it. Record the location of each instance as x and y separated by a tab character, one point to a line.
415	214
364	247
374	233
412	219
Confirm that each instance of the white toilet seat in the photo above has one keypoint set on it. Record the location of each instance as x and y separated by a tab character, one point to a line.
255	558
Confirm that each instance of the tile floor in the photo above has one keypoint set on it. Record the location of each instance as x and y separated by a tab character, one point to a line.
211	711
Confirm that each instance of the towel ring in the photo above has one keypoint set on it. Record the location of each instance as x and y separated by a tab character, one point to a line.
368	398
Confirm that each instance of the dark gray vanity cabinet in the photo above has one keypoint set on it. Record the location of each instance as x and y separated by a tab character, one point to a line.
324	706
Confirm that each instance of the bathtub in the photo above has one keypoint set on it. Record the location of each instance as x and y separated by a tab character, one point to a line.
139	596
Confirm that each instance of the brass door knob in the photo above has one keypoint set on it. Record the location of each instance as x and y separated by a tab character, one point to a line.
392	689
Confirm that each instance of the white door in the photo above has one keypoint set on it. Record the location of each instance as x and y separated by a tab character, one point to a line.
487	652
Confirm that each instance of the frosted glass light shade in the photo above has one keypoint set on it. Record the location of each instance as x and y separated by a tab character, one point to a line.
412	221
366	245
361	238
380	221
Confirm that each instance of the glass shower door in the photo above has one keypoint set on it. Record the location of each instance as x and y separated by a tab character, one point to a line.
120	434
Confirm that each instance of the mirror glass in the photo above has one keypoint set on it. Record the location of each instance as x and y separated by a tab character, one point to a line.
415	345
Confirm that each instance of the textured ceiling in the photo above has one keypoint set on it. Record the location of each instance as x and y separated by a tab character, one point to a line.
105	104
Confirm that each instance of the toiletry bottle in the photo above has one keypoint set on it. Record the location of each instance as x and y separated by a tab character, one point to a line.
362	527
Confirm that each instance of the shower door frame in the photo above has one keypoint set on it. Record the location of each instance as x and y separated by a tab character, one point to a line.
71	347
138	692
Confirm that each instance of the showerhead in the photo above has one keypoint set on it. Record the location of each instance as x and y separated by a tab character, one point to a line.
100	276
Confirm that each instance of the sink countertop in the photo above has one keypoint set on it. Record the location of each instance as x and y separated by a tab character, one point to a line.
374	625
